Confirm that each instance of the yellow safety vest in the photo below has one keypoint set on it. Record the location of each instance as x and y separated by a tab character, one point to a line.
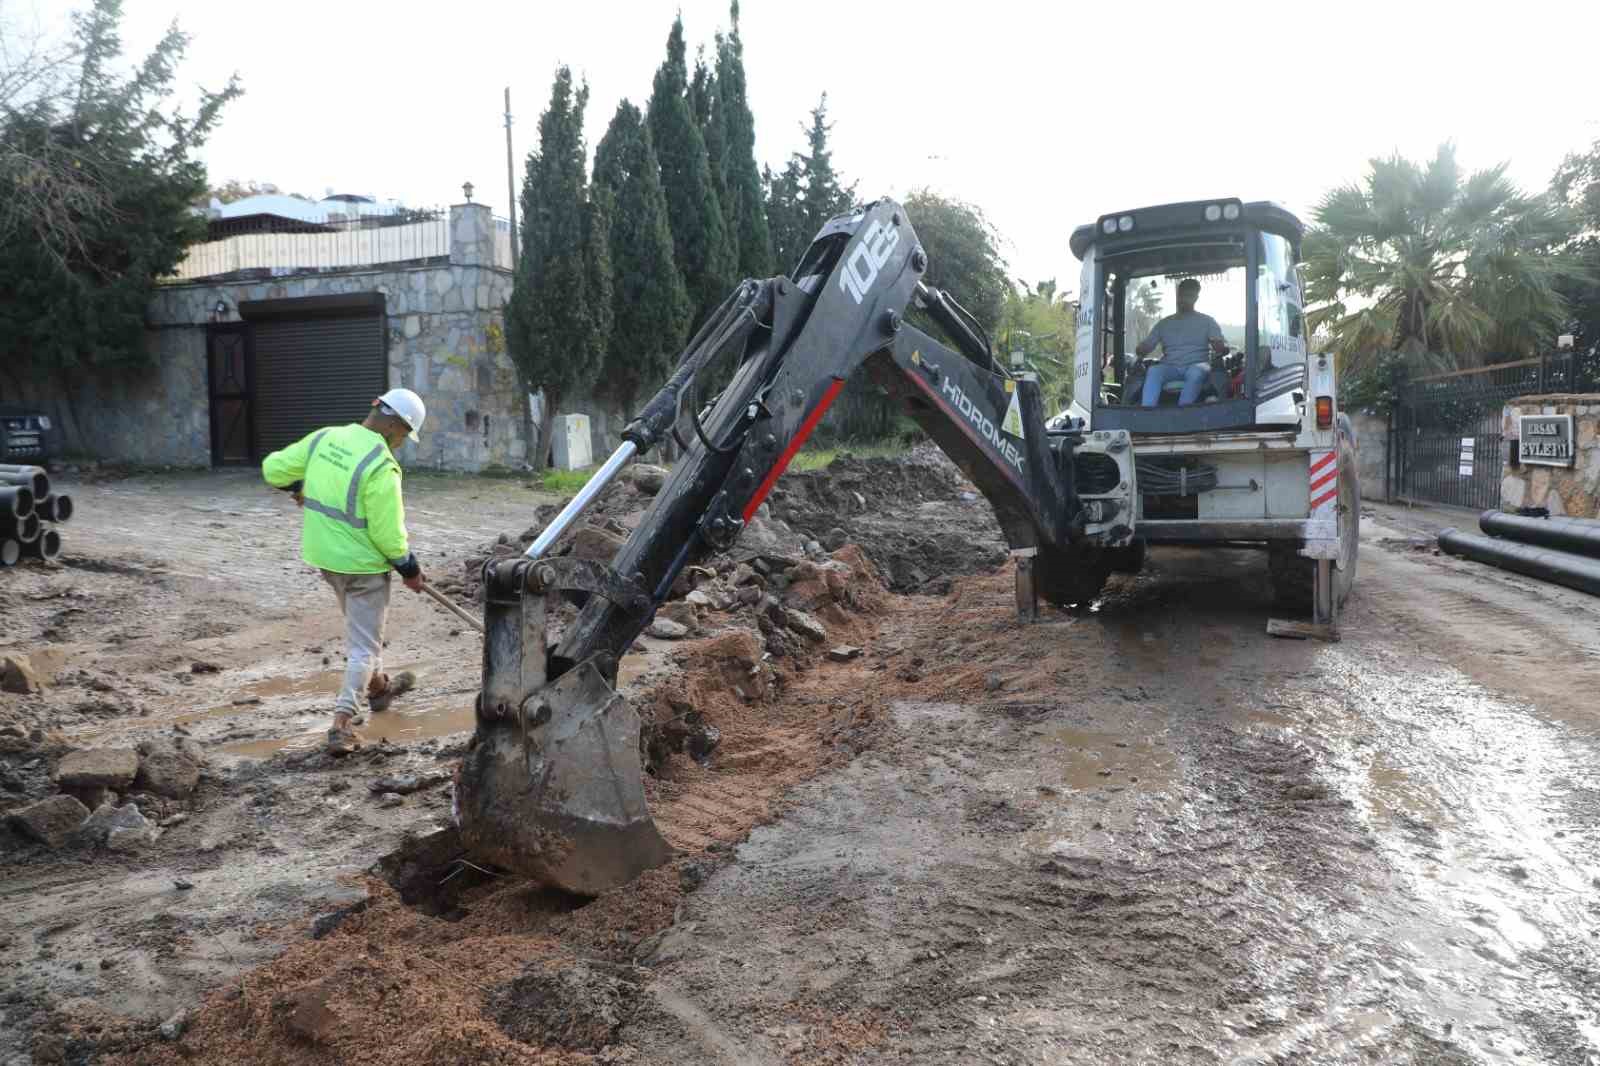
355	520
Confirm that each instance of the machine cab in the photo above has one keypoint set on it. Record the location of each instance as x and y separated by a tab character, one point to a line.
1191	319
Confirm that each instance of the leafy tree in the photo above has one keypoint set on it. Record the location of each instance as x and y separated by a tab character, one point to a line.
742	207
963	252
559	314
650	301
234	189
1576	187
699	236
1444	267
1041	322
97	175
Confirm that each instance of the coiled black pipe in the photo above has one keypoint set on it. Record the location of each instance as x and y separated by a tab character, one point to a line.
1581	535
33	479
1574	571
16	501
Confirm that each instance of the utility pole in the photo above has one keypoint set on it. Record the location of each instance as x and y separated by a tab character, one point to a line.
511	181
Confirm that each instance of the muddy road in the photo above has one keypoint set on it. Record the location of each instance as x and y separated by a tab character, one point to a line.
1135	833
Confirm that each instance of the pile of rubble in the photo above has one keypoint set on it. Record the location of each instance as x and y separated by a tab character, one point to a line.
116	798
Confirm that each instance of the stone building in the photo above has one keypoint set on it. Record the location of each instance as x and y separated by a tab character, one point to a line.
264	336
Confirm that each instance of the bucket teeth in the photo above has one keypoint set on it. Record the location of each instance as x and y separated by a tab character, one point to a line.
557	793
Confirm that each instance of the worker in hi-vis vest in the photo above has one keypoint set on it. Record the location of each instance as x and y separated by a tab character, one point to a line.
346	480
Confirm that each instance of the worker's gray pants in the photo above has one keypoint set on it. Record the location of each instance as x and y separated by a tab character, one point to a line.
364	599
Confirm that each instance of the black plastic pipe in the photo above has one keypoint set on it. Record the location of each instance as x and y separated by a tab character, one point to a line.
23	529
45	546
34	480
16	501
10	552
56	507
1564	568
1581	535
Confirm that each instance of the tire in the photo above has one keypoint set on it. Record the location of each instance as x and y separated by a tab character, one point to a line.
1292	574
1068	577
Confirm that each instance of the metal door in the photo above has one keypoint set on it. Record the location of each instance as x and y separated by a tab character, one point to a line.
230	378
315	372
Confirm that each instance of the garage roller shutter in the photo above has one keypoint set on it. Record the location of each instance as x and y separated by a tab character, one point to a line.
315	372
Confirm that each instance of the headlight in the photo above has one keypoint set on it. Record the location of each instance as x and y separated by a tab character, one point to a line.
1125	223
1230	212
1109	225
44	421
1213	212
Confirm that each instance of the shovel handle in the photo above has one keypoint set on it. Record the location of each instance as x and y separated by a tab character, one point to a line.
444	601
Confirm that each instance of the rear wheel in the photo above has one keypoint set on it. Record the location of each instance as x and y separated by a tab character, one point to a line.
1074	576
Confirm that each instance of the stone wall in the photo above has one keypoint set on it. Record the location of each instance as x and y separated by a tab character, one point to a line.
1372	455
1562	491
446	342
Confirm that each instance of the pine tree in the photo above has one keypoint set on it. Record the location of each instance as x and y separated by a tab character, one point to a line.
806	194
699	236
742	206
651	304
558	317
824	197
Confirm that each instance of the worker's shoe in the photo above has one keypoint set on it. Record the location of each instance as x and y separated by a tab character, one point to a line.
342	740
397	685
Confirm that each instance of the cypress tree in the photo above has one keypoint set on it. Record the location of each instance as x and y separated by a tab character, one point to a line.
651	305
560	308
699	236
824	196
742	206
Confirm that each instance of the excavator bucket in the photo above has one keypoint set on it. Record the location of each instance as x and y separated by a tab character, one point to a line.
553	785
560	796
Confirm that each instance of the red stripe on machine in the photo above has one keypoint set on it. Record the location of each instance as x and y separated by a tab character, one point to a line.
1324	479
1320	463
1324	498
795	445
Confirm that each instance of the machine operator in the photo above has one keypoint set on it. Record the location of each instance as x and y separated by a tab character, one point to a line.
1187	340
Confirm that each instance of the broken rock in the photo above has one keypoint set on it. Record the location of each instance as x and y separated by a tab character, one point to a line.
130	830
18	675
595	544
844	653
667	629
169	774
646	478
50	821
807	626
113	768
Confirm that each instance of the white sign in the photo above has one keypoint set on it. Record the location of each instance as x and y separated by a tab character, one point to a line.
1468	446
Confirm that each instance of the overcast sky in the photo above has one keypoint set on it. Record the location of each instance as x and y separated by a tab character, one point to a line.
1043	114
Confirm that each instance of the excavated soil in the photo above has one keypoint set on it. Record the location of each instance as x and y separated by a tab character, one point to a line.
1141	831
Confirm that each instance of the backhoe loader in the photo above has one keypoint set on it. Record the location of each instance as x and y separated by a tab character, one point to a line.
553	783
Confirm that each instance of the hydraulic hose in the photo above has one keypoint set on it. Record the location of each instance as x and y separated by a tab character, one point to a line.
1574	571
1169	477
1581	535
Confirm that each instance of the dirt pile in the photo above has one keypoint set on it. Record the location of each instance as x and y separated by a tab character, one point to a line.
915	516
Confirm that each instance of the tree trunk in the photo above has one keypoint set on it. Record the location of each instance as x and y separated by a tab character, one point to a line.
547	422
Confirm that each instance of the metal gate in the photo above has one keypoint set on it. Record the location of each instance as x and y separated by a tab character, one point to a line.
318	363
230	375
1445	433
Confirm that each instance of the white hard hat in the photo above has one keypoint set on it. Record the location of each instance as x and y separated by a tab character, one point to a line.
408	405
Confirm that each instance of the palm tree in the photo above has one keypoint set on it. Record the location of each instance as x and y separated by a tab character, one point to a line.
1440	267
